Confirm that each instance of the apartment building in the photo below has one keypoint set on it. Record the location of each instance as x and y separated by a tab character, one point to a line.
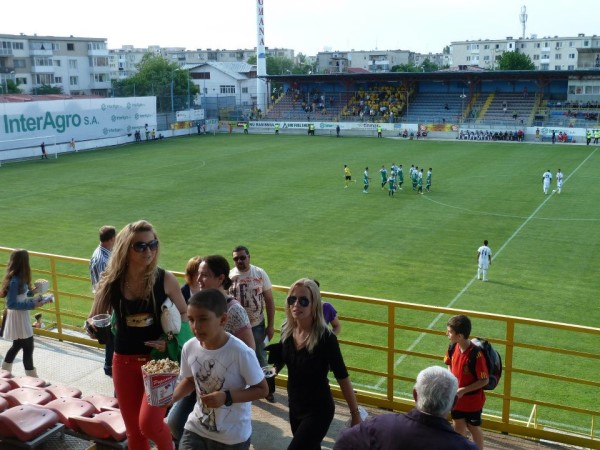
372	61
547	53
79	65
123	62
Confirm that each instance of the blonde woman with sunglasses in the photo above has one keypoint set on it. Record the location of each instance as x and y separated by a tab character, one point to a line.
309	349
134	287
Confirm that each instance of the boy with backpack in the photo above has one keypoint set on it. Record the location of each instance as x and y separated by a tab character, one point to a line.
466	413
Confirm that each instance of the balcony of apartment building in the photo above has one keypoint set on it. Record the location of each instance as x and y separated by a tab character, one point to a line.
7	69
98	52
379	66
102	68
588	58
101	81
41	50
40	68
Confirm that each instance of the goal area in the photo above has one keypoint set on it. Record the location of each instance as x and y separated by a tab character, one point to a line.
15	150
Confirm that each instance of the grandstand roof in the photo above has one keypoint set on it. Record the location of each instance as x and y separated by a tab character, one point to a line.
496	75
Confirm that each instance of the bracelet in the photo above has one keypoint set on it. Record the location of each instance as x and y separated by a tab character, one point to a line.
354	411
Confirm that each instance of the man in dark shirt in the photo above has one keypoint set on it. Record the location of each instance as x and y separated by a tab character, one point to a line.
425	427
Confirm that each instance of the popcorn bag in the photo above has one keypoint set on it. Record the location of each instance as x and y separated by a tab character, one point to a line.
41	285
160	378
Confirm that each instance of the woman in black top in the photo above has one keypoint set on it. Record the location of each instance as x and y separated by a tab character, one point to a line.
134	287
309	350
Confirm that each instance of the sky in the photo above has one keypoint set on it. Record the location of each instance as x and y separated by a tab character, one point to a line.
309	26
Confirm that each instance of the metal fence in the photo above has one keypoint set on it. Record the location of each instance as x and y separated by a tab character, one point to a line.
389	331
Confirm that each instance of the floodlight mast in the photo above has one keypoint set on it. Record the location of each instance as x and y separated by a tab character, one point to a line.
261	58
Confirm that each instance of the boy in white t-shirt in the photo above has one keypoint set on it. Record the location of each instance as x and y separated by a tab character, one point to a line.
226	375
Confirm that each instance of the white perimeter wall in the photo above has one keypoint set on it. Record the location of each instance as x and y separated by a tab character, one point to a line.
23	126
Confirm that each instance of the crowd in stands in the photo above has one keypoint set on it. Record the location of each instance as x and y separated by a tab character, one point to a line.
586	115
576	109
314	101
480	135
378	104
255	113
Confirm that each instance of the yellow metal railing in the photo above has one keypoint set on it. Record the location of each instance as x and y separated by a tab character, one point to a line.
395	331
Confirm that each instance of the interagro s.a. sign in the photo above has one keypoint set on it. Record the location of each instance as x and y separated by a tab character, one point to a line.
76	119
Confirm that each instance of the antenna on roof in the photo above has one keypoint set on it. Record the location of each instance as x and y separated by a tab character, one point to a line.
523	18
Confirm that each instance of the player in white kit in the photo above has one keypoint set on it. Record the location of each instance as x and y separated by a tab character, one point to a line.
546	179
484	259
559	180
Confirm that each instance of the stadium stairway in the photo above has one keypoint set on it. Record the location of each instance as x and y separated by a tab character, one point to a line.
80	366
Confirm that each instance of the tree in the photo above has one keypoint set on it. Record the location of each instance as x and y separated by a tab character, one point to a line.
46	89
515	61
11	87
154	77
406	68
277	65
428	66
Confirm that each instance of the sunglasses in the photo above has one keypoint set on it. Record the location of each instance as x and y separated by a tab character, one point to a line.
141	247
239	258
304	301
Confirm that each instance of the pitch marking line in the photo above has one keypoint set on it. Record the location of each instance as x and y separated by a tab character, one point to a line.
434	322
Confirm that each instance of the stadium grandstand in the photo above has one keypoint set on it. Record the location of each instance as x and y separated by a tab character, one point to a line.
477	98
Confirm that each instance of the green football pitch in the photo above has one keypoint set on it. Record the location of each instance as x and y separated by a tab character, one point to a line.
284	197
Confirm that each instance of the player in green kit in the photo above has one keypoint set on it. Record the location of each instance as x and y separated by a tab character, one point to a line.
366	179
391	185
428	183
414	177
383	173
400	176
420	182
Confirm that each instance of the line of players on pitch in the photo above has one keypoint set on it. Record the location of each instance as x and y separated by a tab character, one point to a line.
547	179
395	179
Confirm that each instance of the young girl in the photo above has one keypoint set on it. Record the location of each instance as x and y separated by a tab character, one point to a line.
19	300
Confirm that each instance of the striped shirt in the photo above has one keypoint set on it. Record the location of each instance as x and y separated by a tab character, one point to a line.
98	263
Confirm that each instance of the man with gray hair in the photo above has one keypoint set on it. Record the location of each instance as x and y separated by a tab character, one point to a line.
425	427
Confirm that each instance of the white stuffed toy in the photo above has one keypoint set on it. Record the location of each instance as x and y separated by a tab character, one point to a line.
170	318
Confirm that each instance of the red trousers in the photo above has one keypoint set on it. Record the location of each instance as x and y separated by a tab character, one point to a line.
142	421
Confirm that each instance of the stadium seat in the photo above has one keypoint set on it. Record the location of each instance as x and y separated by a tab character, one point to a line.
3	404
27	396
68	407
5	385
101	402
28	382
28	426
59	390
5	374
106	425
